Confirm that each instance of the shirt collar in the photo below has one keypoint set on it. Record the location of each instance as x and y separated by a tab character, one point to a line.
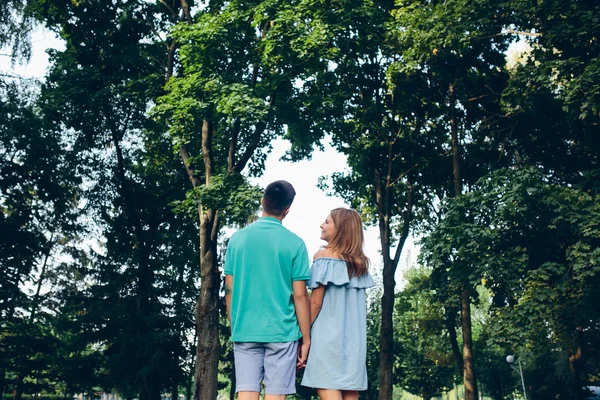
270	219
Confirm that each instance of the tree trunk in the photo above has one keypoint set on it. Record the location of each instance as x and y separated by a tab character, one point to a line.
469	379
207	309
386	338
448	319
574	365
207	316
18	390
468	370
455	144
232	380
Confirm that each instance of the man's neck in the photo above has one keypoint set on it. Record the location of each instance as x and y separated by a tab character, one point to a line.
279	217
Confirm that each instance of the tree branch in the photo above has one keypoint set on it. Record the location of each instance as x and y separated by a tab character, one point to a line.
512	32
239	166
207	151
186	11
233	146
187	163
407	217
168	7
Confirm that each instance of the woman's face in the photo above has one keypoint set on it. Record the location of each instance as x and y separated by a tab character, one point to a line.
327	229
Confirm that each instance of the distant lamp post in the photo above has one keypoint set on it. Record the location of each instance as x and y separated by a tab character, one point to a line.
511	359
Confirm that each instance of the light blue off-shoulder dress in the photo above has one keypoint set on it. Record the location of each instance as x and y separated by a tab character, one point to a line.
338	351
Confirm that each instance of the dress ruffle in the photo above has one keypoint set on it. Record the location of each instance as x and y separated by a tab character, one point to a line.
326	271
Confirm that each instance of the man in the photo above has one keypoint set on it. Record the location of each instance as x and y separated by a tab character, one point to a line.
266	269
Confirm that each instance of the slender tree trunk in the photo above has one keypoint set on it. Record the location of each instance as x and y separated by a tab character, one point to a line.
469	379
468	371
575	364
190	377
18	390
232	380
448	319
386	338
207	316
207	310
207	313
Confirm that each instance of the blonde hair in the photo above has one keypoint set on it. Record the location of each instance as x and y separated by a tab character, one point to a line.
348	240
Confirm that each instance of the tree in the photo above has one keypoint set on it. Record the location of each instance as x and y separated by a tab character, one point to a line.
135	286
459	47
229	94
15	27
531	242
37	221
377	117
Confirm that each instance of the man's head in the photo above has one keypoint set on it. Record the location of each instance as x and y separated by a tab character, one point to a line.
278	198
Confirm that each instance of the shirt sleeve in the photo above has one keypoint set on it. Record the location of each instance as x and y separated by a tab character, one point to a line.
301	267
228	268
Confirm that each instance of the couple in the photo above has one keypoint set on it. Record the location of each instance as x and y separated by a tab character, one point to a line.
266	275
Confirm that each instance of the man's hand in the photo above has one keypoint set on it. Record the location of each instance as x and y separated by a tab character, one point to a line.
303	315
303	349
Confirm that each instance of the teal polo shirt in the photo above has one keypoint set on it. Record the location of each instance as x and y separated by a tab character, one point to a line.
264	259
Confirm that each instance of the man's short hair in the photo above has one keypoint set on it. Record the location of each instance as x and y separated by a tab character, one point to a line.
278	196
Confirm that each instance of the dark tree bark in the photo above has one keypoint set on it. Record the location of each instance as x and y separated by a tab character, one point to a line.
471	392
469	379
386	338
450	326
207	311
575	364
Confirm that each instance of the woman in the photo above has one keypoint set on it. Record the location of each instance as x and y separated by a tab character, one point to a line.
336	365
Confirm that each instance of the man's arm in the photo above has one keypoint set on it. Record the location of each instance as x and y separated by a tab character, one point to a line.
303	315
228	288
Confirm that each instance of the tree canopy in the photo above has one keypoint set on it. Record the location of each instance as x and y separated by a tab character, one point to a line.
123	167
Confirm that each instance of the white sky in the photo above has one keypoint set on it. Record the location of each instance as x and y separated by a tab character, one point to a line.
311	205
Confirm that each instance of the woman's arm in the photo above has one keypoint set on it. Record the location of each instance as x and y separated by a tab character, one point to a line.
316	301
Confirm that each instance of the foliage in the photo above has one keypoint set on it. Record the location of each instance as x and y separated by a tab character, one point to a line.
425	364
99	233
15	28
534	244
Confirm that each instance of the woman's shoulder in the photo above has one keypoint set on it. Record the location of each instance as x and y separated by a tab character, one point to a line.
326	253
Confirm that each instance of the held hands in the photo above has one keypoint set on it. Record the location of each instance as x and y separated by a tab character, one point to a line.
303	349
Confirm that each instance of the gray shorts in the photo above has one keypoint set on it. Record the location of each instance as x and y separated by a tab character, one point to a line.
275	363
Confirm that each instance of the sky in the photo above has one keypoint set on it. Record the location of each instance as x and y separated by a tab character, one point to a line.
311	205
